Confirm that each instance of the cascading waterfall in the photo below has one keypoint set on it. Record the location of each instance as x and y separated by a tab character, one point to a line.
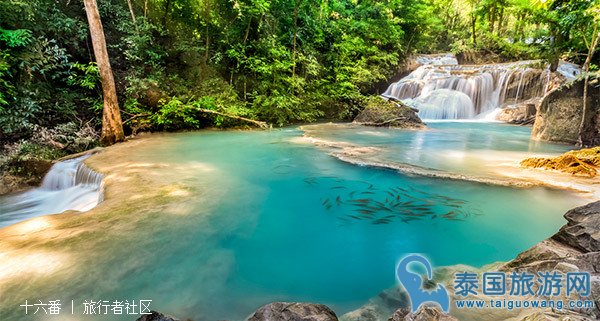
442	89
69	185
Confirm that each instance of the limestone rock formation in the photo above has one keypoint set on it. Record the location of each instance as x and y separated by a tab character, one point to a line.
156	316
560	112
385	113
293	311
425	313
582	162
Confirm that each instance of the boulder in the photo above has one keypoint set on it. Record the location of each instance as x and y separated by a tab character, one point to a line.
385	113
582	231
552	316
424	313
293	311
575	247
522	114
559	115
156	316
577	244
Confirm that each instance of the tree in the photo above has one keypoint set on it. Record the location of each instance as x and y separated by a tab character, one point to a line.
112	126
590	39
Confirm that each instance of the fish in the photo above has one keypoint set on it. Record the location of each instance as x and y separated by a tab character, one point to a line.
408	219
338	200
338	187
355	217
361	200
325	201
421	208
381	221
367	192
379	203
364	211
310	180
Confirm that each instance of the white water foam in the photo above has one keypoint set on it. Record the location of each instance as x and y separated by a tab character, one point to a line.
442	89
69	185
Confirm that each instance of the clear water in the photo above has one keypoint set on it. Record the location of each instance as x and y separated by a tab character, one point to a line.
474	148
291	226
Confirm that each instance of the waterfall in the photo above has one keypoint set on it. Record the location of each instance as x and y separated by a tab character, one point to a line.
68	185
442	89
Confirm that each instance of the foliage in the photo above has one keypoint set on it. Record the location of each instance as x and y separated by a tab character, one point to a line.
279	61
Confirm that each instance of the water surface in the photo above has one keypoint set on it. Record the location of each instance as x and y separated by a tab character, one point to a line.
293	223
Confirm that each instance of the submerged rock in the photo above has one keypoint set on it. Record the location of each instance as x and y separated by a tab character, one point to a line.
559	116
293	311
386	113
578	162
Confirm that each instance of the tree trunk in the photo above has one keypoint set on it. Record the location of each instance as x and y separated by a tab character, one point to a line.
112	127
295	37
208	10
492	18
166	14
131	10
586	69
473	23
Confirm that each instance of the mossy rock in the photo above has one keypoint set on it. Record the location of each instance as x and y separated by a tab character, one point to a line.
578	162
384	113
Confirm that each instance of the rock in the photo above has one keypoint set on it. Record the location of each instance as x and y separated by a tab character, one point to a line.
560	112
385	113
404	69
479	57
424	313
399	314
286	311
156	316
575	247
522	114
552	316
25	173
576	244
583	162
582	231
